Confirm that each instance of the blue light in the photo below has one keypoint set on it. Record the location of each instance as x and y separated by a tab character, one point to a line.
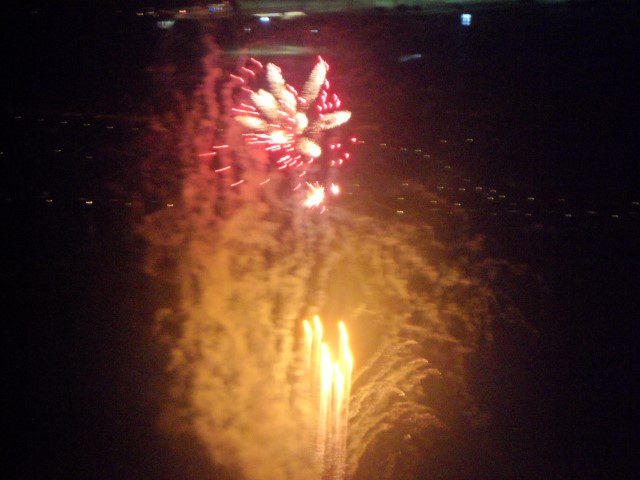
465	19
265	19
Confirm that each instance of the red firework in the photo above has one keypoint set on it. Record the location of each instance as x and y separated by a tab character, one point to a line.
289	124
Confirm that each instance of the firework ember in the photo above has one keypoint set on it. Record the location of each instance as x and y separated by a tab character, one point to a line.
315	196
289	125
330	390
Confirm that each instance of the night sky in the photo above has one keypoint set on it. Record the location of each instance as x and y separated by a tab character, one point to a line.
518	132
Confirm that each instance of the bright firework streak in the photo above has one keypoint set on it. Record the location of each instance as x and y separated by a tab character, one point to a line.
345	359
317	347
326	380
330	390
308	341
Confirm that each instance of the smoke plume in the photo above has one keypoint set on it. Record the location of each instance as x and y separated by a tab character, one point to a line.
246	265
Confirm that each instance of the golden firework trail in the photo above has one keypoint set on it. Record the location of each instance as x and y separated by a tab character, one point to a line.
330	388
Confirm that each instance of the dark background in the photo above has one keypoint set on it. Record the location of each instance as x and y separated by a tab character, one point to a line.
549	95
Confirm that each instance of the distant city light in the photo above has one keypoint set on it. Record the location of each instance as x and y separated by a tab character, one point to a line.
265	19
465	19
409	57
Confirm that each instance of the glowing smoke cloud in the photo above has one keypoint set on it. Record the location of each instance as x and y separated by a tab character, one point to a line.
288	124
243	280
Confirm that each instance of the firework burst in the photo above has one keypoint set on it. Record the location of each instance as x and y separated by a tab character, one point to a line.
388	397
289	125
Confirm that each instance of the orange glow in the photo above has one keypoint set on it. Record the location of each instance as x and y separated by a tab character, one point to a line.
316	355
324	401
308	341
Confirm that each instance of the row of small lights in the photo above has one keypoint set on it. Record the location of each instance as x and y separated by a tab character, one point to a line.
65	122
90	202
492	193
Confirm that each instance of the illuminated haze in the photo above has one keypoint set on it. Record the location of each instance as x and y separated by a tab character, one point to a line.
248	264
